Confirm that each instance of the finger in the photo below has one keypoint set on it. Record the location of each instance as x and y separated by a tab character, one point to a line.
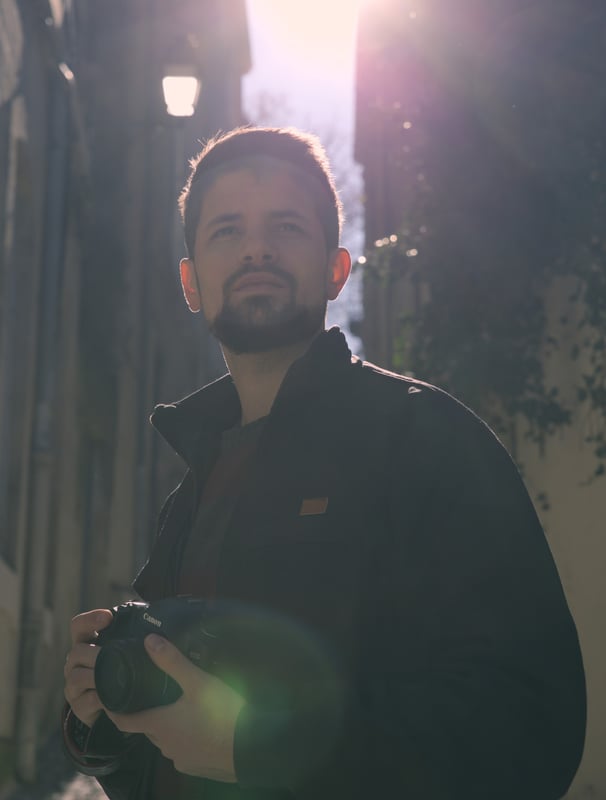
81	655
82	699
79	697
148	721
87	707
80	680
84	626
172	661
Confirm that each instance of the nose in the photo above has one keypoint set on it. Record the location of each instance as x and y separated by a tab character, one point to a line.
258	249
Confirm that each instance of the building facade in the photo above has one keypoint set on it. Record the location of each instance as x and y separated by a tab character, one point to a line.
93	327
425	75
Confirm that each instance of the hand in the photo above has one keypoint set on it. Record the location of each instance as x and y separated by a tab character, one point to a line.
79	668
197	731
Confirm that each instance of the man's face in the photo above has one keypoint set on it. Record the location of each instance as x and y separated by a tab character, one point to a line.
261	272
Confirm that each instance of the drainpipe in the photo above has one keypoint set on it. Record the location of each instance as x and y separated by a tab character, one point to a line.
42	457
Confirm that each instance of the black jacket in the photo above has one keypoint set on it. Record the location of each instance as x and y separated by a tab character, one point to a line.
409	637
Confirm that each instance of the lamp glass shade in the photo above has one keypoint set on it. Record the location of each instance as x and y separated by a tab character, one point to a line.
180	94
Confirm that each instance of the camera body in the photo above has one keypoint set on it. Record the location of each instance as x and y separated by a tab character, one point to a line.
126	678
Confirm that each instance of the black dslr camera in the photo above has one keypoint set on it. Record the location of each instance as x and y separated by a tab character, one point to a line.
126	678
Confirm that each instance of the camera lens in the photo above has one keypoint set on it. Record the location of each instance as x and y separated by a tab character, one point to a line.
115	674
127	680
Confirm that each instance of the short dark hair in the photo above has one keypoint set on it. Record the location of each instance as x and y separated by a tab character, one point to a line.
239	148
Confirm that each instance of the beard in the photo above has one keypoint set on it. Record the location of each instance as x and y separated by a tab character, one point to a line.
261	323
258	326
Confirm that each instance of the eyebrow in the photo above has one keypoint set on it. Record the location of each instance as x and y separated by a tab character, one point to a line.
221	219
287	213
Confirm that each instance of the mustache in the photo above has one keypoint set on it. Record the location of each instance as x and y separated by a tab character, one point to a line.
248	269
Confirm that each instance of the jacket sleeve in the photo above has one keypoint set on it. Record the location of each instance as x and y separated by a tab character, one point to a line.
132	781
471	682
483	684
121	763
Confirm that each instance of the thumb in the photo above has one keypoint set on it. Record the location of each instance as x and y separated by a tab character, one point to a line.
170	659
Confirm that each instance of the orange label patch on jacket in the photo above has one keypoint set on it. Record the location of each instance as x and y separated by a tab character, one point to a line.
313	505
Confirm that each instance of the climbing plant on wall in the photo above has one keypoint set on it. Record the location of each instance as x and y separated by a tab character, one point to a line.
507	202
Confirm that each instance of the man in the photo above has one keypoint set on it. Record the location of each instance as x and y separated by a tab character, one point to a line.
389	621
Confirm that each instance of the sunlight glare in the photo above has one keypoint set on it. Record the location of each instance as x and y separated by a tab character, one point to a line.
317	35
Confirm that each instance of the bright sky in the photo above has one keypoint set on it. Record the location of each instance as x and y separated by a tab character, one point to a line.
306	51
303	52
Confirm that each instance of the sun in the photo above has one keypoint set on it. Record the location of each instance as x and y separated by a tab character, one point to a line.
317	35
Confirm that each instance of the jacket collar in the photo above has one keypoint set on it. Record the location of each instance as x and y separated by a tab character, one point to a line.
216	407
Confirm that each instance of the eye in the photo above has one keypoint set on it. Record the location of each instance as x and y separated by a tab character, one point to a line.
289	227
224	232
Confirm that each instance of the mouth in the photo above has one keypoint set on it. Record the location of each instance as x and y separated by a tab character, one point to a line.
258	281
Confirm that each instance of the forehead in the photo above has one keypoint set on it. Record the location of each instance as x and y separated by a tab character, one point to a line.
262	184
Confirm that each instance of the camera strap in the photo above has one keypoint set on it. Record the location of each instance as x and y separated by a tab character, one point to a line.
99	750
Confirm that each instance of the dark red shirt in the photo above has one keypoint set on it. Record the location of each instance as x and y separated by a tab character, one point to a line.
200	558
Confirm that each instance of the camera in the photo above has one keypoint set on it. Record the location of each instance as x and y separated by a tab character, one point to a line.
126	678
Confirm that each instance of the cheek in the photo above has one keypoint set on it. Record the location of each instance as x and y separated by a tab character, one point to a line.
314	280
211	293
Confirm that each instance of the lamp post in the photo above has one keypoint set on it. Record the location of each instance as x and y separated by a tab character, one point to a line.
181	89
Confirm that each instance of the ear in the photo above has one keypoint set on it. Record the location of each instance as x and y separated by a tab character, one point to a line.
339	267
189	282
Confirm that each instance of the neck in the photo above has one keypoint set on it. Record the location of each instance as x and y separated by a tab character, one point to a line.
258	377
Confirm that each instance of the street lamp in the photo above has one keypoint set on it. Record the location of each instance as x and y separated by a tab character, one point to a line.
181	87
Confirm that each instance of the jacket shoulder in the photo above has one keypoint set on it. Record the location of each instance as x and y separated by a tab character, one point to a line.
377	376
429	414
389	388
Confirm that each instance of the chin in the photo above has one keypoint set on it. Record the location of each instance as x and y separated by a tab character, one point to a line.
248	333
